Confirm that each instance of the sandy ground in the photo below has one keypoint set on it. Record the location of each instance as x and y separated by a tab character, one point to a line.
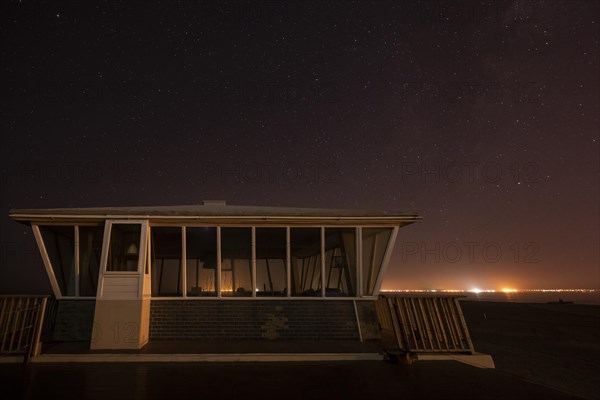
363	380
555	345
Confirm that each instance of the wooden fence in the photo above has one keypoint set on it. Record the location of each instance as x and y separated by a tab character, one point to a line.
423	324
21	320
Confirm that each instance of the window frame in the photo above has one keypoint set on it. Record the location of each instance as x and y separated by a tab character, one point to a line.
145	252
35	227
142	246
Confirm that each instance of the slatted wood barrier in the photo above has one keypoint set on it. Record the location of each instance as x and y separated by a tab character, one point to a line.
49	322
424	324
21	319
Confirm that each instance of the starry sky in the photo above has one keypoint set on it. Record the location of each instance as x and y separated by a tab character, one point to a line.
481	117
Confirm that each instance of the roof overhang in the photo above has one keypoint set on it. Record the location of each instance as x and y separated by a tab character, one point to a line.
216	214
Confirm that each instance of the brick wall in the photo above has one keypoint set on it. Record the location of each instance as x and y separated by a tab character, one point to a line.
369	324
71	321
253	319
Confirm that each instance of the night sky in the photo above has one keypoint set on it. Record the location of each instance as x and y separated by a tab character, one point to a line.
481	117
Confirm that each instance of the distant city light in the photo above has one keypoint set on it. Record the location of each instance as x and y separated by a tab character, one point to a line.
504	290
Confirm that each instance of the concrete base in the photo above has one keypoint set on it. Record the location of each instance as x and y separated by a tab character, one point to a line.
258	357
12	359
120	324
478	360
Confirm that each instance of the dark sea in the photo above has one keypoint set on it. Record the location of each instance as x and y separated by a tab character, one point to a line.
536	297
532	296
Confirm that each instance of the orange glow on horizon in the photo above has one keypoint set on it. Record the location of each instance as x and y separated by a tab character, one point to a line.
504	290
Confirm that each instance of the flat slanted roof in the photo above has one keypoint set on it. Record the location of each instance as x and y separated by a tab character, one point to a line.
214	212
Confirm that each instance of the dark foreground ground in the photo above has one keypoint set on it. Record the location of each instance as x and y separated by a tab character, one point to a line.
302	381
541	352
555	345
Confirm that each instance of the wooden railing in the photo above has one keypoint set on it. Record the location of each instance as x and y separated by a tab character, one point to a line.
21	321
423	324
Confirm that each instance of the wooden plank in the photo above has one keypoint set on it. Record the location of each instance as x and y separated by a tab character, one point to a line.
455	324
372	266
183	263
405	327
464	326
18	319
288	262
421	345
219	261
432	324
76	260
449	323
440	323
395	327
359	262
112	280
3	319
39	324
382	316
425	323
132	289
14	323
412	325
322	261
25	313
29	336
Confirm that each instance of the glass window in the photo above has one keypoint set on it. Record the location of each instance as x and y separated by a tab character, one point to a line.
90	251
374	245
60	246
201	261
236	262
305	252
124	248
271	271
165	253
340	261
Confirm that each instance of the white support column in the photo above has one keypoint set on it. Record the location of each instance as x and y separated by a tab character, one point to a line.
288	262
322	261
122	310
46	259
144	234
148	255
359	261
183	261
372	267
76	258
104	258
218	282
143	259
386	260
253	247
